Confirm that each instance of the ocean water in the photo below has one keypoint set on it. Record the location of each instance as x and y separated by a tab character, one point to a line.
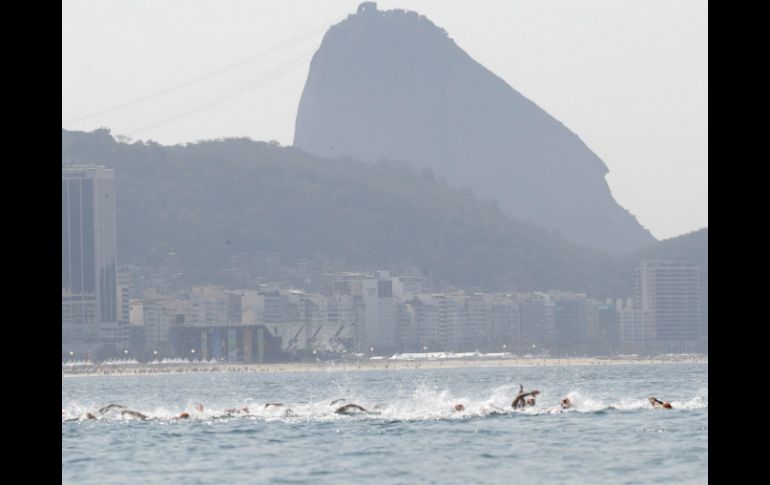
411	435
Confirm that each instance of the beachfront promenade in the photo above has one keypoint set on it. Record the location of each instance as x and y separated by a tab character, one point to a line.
362	365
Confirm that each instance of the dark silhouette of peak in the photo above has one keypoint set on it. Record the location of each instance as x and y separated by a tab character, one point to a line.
391	84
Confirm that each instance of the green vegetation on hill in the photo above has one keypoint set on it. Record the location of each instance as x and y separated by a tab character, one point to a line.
209	200
692	246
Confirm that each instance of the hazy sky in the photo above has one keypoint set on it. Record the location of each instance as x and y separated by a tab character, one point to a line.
629	77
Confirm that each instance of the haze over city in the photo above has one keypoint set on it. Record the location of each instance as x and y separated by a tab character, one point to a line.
630	80
384	242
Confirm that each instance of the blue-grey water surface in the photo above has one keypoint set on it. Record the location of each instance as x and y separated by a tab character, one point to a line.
413	436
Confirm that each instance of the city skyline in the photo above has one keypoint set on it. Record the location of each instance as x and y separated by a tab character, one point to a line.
289	308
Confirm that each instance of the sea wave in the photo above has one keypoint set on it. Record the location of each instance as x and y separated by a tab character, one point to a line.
426	403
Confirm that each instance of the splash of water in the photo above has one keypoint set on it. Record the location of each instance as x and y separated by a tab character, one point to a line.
425	403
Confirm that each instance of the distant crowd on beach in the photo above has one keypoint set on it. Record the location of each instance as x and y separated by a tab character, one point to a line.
139	369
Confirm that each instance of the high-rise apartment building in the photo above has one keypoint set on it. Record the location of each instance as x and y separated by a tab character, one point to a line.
89	262
671	292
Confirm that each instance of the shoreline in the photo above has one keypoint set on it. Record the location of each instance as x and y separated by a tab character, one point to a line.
292	367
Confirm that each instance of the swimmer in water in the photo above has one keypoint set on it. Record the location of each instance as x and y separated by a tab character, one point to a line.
133	414
110	406
521	399
657	403
184	415
124	411
350	409
566	403
85	416
231	411
287	411
458	407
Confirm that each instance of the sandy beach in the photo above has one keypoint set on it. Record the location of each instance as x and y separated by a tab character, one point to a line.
364	365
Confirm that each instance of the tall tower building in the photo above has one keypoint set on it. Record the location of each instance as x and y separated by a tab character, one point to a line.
671	292
89	259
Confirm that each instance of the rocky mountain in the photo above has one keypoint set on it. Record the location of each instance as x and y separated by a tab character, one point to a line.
391	84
